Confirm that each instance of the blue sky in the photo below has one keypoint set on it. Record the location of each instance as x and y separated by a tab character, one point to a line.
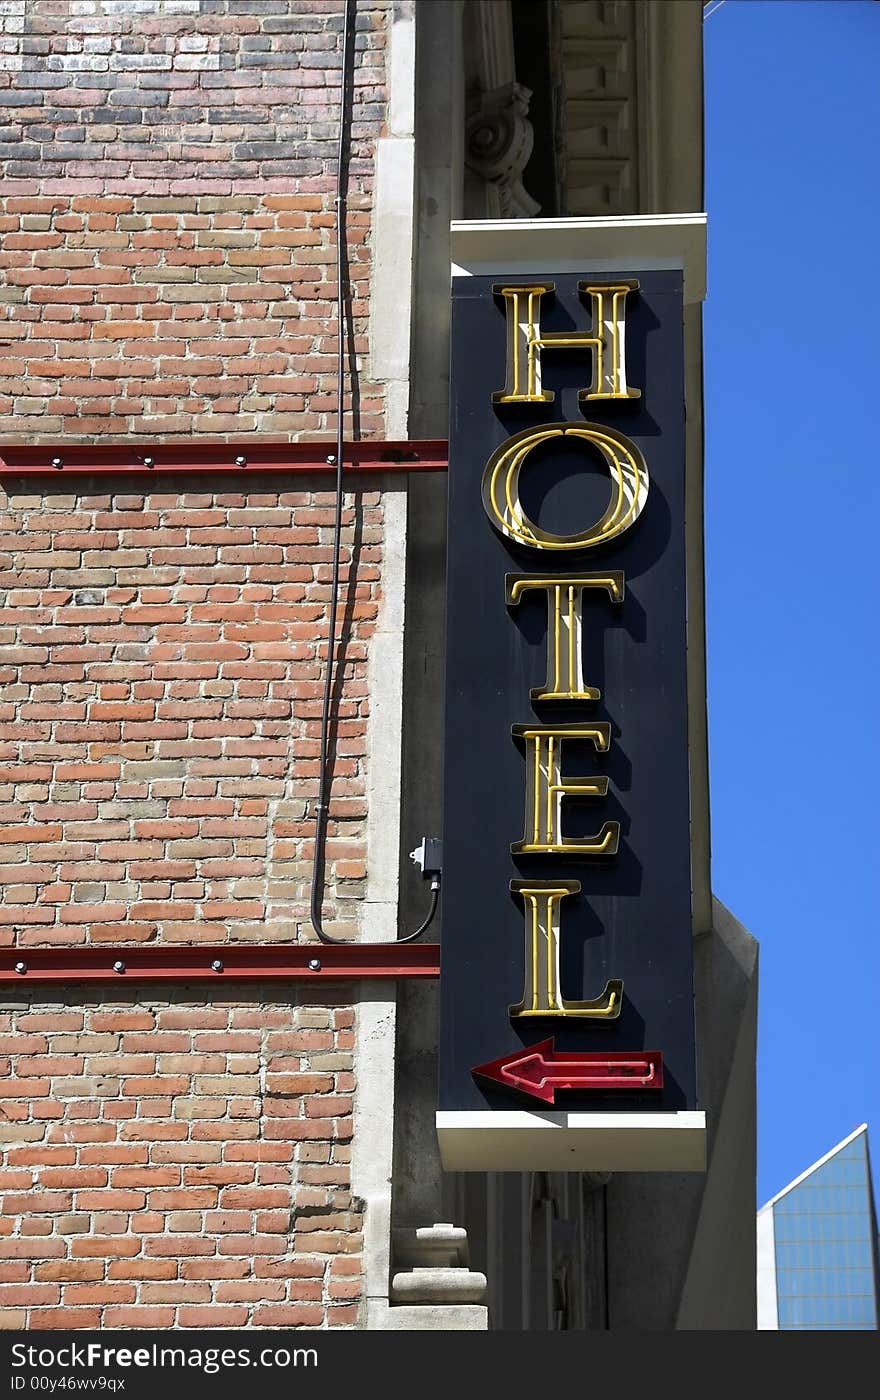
793	548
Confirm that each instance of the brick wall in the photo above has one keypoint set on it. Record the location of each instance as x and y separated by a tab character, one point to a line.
154	316
161	662
167	267
159	719
177	1163
167	170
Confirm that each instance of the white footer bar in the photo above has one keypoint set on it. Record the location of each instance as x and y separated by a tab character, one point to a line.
522	1140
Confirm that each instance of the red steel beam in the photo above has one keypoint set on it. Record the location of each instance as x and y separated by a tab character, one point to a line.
235	962
241	458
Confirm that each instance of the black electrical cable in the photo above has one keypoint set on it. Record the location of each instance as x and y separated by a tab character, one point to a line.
323	803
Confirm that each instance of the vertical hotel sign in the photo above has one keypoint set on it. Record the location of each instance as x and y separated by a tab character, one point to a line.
567	1016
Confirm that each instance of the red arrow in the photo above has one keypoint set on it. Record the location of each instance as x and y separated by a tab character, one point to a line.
539	1070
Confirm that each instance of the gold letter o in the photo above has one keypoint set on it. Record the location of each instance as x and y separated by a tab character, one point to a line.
626	467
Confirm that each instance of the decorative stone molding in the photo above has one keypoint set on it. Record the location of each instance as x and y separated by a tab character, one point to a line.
437	1272
598	55
438	1286
440	1246
633	110
499	141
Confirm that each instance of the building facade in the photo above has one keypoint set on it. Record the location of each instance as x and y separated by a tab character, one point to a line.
818	1249
263	1153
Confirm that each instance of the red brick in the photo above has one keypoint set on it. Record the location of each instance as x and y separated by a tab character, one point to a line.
213	1316
144	1316
65	1318
103	1246
214	1268
244	1292
123	1021
100	1293
35	1203
184	1198
110	1200
74	1177
145	1176
179	1246
52	1021
28	835
41	1156
49	1065
289	1315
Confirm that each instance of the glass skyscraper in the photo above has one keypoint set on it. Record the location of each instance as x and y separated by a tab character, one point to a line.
817	1246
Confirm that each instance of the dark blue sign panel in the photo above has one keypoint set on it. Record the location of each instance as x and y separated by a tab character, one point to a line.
567	975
